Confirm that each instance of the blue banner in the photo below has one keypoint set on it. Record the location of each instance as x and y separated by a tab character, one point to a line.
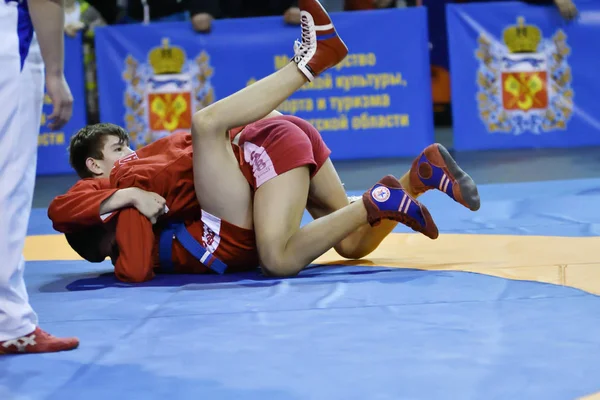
522	77
376	103
53	156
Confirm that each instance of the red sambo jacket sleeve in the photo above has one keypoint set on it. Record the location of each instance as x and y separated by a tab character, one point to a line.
134	234
135	239
80	206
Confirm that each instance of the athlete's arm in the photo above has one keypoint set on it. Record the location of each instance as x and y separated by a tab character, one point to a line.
137	179
149	204
48	18
135	240
81	206
122	198
92	202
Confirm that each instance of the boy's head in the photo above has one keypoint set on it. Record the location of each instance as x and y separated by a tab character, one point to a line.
94	149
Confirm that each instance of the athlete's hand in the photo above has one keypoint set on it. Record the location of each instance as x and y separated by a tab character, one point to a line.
149	204
62	100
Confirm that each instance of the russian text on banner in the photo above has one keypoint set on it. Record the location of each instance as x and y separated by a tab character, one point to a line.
522	77
376	103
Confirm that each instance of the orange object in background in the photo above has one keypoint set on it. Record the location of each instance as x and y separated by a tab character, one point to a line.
440	87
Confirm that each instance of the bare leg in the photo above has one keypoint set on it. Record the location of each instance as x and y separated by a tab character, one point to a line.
319	49
434	168
253	102
220	185
278	207
327	195
285	249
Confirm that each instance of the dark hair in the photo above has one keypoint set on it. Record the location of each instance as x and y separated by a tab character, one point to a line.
88	142
87	243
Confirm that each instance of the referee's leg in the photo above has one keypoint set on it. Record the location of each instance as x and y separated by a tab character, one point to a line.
21	97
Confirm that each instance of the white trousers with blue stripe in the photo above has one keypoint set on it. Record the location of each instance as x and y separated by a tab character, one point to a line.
21	100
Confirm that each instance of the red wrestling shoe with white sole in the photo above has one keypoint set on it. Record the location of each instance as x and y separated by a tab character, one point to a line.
388	200
38	341
435	168
321	47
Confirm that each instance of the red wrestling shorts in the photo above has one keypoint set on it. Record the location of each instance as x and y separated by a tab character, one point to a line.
273	146
234	246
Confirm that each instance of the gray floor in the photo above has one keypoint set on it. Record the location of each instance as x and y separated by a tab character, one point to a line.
484	167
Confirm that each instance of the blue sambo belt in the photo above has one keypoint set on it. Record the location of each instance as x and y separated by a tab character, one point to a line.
182	235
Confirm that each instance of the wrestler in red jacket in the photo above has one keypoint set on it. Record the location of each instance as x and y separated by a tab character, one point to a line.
165	168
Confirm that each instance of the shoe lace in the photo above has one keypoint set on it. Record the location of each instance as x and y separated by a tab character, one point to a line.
303	46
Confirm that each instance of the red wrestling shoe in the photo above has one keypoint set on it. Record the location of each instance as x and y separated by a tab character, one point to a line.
321	47
388	200
436	169
38	341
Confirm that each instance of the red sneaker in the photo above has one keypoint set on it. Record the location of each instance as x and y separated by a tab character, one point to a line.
321	47
38	341
436	169
388	200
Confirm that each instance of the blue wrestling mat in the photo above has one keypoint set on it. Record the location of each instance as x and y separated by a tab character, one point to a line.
339	332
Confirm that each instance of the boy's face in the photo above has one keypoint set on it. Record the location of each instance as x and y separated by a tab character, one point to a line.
114	149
